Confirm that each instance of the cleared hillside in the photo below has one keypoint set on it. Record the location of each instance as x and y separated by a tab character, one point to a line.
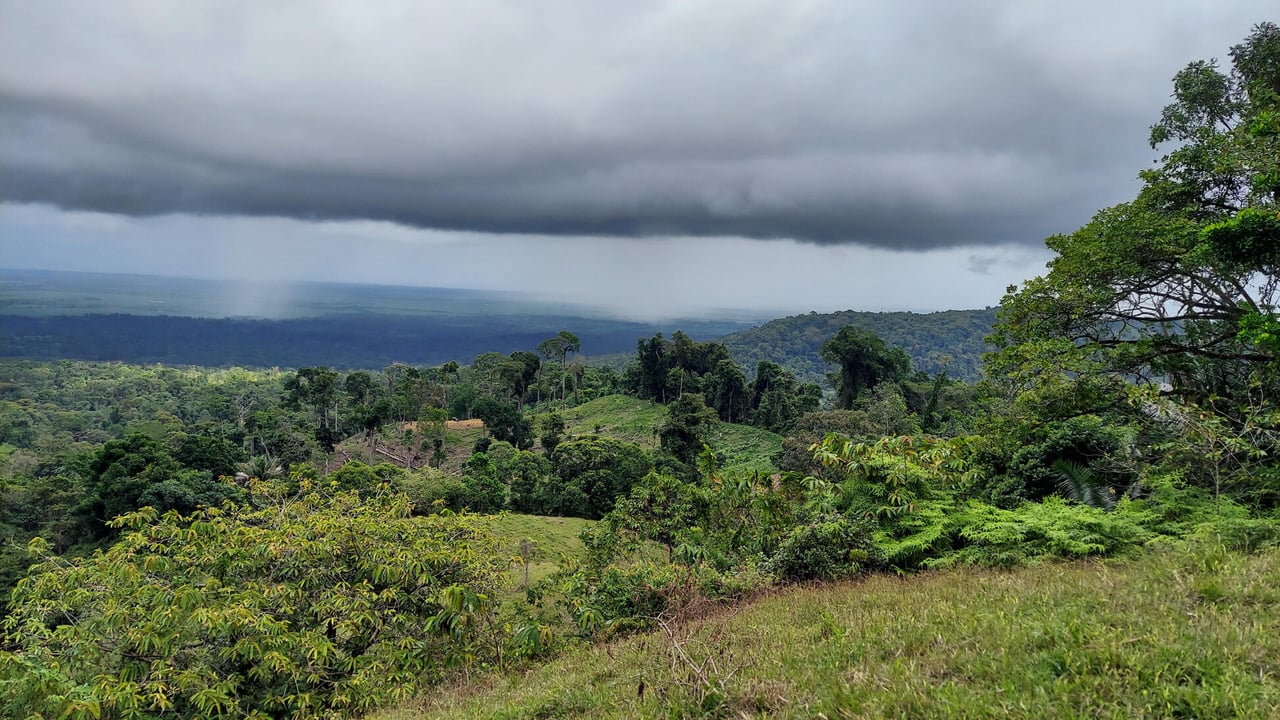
536	544
746	448
951	340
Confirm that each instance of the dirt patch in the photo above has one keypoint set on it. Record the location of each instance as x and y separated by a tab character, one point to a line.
448	424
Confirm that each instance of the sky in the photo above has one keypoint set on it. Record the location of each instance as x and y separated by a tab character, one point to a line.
651	159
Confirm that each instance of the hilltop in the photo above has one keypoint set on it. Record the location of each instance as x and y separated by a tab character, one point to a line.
745	448
951	340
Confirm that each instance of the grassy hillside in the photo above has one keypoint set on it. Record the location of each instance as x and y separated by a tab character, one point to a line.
1171	635
950	340
747	449
552	538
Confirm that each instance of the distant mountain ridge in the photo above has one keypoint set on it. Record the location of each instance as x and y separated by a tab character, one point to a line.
950	340
53	315
341	341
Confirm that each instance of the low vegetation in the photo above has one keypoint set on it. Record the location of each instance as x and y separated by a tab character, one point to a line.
1175	634
537	545
294	606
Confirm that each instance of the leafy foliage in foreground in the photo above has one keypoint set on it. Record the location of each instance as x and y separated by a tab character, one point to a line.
900	503
311	606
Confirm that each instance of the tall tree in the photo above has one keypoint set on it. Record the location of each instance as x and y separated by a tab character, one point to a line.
1181	285
359	387
687	428
1175	292
864	360
561	346
317	387
653	362
520	372
504	422
778	399
725	388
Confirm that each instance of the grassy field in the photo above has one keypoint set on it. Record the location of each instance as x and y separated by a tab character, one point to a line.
1172	635
620	416
746	448
552	538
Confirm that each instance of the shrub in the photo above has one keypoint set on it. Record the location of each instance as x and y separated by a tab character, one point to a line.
1239	534
312	607
427	486
1050	529
621	599
827	547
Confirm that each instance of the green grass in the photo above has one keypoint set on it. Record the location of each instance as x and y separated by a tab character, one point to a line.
621	416
1167	636
553	538
747	449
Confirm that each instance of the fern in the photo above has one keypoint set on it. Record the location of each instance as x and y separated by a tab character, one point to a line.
1080	483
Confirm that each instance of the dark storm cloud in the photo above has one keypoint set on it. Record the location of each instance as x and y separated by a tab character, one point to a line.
899	125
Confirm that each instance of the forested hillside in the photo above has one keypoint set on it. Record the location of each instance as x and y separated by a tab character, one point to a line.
950	341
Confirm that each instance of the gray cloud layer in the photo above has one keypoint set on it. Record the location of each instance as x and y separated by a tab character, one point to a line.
906	125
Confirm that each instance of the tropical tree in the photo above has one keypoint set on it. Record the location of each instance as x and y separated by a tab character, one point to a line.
552	429
599	470
317	387
725	388
864	360
687	428
1179	288
648	375
359	387
136	471
519	373
658	508
504	421
561	346
778	400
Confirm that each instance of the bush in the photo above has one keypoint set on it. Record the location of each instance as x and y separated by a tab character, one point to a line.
313	607
358	476
1239	534
621	599
1050	529
427	486
827	547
